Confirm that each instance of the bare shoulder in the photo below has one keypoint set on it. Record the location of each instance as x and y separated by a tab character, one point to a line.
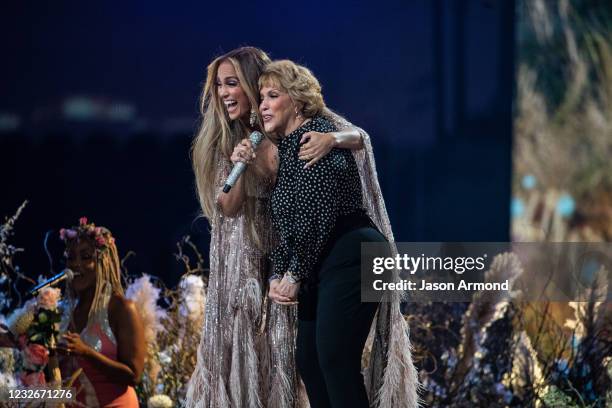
120	308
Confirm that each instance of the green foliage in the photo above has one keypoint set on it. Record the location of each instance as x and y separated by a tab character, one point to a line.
44	327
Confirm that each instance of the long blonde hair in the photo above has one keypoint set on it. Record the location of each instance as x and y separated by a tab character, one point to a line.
217	135
108	272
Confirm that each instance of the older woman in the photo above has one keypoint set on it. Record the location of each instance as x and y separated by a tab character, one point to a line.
322	221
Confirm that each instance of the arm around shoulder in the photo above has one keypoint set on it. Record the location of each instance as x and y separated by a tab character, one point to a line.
350	138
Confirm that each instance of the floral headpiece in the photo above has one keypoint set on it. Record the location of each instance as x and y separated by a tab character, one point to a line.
99	235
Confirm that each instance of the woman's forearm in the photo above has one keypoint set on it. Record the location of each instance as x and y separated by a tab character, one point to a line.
348	139
117	370
231	203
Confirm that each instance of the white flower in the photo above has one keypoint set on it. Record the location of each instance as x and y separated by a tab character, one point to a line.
159	401
145	296
164	358
192	297
191	285
7	360
7	381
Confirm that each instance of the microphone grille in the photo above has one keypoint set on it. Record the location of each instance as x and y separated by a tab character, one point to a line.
68	273
256	138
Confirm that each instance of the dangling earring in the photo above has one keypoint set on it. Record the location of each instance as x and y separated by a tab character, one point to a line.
253	117
297	113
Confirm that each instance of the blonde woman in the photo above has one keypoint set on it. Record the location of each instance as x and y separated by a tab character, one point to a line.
239	362
103	332
322	218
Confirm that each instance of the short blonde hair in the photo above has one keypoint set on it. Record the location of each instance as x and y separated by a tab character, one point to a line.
298	81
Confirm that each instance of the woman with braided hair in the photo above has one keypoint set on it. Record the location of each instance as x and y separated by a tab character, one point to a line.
102	330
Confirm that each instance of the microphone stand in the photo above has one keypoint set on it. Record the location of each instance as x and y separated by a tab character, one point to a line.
53	366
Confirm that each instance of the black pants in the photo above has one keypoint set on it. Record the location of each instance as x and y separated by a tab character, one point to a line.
334	325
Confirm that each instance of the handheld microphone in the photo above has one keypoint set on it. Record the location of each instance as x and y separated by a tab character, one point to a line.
239	168
65	274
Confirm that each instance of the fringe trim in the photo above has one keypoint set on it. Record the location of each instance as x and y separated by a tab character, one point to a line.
400	387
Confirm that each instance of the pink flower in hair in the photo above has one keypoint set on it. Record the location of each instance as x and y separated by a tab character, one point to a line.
83	221
98	231
71	234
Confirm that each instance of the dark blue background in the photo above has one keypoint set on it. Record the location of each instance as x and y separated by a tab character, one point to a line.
431	81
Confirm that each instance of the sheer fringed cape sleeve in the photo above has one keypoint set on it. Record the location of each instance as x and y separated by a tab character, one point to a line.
390	376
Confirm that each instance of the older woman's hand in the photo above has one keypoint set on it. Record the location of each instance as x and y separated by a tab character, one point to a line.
275	294
288	289
243	152
316	145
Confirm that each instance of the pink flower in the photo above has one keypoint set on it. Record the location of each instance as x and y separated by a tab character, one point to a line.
36	354
98	231
63	234
71	234
32	379
83	221
48	297
100	241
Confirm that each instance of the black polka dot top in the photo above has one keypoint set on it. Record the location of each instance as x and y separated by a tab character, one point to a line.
306	203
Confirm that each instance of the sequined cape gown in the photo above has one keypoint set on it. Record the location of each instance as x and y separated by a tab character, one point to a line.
246	353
